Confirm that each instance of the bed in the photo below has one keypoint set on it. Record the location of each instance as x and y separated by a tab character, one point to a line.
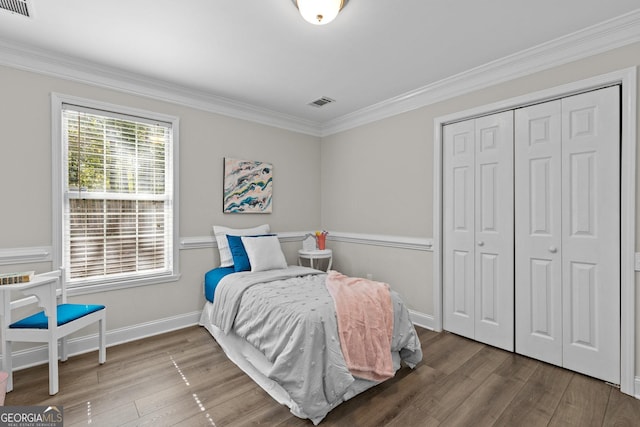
284	327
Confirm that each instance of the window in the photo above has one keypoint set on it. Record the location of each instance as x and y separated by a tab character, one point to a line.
115	204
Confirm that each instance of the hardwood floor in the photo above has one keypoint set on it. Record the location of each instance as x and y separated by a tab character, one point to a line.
183	378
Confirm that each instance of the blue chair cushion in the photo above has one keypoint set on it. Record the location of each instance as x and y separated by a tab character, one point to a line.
66	313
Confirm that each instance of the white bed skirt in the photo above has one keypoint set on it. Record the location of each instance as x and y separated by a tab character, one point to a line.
255	364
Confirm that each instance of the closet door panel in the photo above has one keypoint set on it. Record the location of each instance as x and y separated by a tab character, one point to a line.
458	228
494	309
538	204
591	233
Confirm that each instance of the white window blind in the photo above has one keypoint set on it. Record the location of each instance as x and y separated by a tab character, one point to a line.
118	196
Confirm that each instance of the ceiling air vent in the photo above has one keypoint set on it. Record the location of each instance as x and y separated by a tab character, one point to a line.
321	101
21	7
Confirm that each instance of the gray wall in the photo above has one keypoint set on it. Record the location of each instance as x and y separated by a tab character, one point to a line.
378	179
374	179
205	139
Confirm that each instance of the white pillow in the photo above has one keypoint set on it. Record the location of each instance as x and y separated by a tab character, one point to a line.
226	260
264	253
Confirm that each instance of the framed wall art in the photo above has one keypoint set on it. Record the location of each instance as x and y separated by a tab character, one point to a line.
248	186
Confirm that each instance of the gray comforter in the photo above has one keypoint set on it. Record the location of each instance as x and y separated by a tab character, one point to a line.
290	317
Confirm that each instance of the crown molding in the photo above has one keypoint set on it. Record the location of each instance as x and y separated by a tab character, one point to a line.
607	35
35	60
611	34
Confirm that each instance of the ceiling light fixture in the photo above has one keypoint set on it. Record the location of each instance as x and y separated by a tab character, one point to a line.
319	12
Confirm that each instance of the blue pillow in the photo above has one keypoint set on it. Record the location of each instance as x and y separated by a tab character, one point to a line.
238	253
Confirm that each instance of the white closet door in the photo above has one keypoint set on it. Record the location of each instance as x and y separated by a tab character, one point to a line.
458	228
568	233
478	229
494	280
591	233
538	208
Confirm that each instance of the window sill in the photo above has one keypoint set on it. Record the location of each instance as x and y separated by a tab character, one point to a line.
120	284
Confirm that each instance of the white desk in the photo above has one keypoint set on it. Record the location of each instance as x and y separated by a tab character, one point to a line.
44	288
315	255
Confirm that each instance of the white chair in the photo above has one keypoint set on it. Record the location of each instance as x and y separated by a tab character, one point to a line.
64	320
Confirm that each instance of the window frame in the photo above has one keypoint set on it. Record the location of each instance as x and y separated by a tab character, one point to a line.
58	182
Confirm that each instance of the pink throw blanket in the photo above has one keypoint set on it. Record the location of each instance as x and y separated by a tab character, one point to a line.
365	324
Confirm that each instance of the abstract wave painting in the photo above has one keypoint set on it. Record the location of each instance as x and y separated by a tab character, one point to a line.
247	186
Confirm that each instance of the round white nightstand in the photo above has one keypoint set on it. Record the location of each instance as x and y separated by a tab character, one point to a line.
315	255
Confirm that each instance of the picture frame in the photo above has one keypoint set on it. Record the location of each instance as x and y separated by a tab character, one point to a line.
248	186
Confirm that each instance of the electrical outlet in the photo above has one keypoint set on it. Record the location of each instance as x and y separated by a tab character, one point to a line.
370	276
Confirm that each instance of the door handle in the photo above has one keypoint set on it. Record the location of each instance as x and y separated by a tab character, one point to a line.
553	249
480	243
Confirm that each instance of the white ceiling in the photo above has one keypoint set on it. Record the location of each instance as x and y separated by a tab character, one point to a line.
261	53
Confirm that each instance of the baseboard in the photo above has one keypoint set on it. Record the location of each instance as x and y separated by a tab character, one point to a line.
38	355
423	320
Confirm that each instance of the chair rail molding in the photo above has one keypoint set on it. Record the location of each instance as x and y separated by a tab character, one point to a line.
25	255
202	242
401	242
